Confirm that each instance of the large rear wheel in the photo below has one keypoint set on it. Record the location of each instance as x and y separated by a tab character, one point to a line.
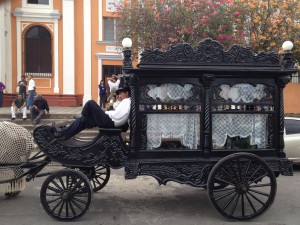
249	186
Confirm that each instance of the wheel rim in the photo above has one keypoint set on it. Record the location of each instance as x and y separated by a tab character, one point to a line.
66	195
99	177
250	186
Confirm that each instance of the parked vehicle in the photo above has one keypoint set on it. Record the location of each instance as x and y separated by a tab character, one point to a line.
292	139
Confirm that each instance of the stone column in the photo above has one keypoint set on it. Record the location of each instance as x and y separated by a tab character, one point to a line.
87	51
68	47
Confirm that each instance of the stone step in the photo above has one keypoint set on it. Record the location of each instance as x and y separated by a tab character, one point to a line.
7	116
28	122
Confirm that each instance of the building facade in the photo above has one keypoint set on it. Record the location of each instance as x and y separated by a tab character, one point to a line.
68	46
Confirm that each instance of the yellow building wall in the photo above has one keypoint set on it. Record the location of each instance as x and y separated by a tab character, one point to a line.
292	99
79	47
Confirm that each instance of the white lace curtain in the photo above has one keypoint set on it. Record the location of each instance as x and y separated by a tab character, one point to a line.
183	127
242	92
234	125
168	92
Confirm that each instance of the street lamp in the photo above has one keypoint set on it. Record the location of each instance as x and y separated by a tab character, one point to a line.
288	60
287	46
127	43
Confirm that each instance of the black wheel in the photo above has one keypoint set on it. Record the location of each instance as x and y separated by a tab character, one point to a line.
250	186
99	177
66	195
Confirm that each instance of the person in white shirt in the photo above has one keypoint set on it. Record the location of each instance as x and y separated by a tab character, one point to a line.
113	83
92	115
31	92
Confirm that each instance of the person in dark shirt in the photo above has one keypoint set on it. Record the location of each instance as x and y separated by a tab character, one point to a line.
2	88
22	86
18	106
38	110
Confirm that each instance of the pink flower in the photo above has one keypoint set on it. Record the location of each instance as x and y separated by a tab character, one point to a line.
236	13
168	9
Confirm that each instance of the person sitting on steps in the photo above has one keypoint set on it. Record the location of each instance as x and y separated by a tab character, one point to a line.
92	115
18	105
38	110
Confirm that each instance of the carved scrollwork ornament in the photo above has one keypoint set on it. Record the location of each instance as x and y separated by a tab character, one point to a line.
208	79
283	81
208	52
288	61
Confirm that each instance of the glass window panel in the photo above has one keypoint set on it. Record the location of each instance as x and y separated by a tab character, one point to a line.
109	29
39	2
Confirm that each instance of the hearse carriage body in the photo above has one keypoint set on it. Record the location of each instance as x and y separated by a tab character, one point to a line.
207	117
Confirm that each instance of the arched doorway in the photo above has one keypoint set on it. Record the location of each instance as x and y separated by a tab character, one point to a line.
38	52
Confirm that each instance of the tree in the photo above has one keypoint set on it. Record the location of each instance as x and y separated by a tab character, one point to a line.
268	23
261	24
159	23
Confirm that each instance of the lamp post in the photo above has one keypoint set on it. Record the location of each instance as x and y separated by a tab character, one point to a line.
288	60
127	43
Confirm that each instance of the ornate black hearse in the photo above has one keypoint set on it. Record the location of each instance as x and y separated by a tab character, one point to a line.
207	117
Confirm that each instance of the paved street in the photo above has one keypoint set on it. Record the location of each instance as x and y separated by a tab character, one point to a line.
143	202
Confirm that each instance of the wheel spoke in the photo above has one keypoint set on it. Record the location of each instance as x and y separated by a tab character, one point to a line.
261	193
254	172
53	200
225	195
76	204
79	191
72	209
53	194
256	198
76	185
233	170
235	204
224	181
61	208
260	185
229	201
239	169
224	189
243	206
260	177
54	189
251	204
228	175
247	169
67	209
55	207
57	185
79	200
62	183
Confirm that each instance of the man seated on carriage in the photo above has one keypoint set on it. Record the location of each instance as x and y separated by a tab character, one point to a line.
92	115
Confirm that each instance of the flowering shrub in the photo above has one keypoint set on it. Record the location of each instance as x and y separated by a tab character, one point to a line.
262	24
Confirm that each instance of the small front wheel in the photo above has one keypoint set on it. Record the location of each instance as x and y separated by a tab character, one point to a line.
66	195
249	186
100	177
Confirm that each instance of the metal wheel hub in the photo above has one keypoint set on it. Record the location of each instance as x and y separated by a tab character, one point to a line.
242	188
66	195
